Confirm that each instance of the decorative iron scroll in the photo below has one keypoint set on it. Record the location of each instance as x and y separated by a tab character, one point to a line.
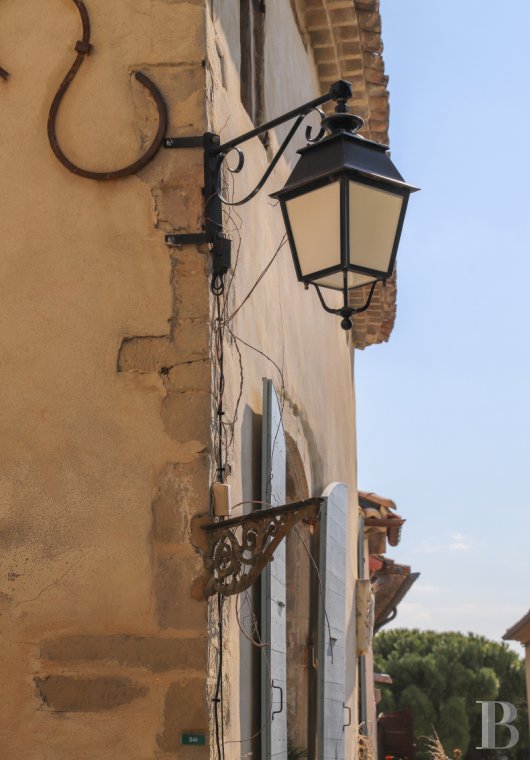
235	551
279	153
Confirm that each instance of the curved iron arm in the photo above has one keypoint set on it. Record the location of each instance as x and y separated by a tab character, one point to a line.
339	91
83	48
271	166
351	311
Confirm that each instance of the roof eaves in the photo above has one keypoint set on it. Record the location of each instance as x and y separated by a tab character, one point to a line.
512	633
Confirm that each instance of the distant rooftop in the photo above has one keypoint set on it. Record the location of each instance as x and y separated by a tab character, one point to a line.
520	631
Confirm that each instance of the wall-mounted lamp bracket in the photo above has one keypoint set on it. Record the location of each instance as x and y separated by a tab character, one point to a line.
212	231
214	155
235	551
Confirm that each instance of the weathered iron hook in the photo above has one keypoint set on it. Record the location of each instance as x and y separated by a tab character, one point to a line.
83	48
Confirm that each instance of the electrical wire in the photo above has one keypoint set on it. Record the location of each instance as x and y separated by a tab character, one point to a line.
224	431
261	276
320	585
218	699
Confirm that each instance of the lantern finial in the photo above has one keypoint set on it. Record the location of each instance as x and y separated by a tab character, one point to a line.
342	120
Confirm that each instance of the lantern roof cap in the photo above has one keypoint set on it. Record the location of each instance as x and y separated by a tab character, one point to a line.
344	151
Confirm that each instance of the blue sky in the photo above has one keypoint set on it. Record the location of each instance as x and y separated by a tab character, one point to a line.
444	407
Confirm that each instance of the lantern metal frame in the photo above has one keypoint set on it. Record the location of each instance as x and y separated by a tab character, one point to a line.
340	123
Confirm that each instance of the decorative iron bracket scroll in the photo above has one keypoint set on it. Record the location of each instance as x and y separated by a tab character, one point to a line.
215	155
235	551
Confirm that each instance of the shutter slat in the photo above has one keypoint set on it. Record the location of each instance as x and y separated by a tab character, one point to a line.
273	593
332	624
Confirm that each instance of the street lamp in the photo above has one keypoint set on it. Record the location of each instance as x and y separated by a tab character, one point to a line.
344	205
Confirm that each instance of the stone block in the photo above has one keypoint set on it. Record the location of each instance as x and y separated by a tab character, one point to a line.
183	492
152	652
327	70
349	49
187	416
179	201
341	15
74	694
374	76
189	342
188	376
369	21
191	338
174	577
315	18
371	42
190	283
345	33
185	711
320	38
325	54
352	66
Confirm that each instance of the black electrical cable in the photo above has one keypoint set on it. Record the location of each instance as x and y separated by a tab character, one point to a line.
218	689
219	351
218	289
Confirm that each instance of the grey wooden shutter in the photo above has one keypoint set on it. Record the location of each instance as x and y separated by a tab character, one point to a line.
331	623
273	612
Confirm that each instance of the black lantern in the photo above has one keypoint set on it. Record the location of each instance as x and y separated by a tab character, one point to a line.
344	206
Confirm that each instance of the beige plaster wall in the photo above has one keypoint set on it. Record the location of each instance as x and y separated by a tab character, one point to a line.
103	456
106	374
281	331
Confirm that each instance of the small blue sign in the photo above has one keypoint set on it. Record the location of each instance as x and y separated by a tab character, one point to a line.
196	739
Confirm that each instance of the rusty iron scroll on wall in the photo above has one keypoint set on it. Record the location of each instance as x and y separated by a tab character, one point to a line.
83	48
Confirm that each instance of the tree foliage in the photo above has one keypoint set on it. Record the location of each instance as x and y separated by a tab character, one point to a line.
441	677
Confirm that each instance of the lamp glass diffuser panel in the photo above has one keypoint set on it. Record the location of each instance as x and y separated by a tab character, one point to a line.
374	216
314	221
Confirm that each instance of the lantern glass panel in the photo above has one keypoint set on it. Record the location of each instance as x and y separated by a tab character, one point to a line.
314	218
374	220
336	280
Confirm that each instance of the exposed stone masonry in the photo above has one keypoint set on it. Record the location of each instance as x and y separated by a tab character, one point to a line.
346	42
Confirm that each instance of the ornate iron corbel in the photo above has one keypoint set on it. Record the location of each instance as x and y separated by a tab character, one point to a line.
235	551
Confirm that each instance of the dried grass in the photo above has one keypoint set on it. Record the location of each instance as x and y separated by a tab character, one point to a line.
365	748
435	747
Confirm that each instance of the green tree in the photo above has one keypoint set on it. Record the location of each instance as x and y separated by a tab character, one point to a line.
442	676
